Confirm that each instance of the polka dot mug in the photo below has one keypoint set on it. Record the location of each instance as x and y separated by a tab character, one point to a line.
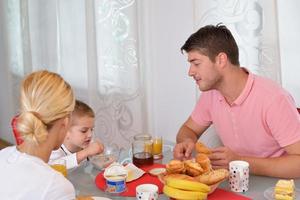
239	176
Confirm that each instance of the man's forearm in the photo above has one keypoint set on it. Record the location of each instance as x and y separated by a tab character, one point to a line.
185	133
282	167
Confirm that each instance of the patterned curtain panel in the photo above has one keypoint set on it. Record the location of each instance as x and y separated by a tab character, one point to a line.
92	44
117	99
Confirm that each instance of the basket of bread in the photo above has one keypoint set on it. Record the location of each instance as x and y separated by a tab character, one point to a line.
194	178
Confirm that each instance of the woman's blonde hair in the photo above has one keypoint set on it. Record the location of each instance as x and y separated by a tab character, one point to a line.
45	98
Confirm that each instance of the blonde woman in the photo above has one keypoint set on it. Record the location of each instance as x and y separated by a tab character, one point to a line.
46	103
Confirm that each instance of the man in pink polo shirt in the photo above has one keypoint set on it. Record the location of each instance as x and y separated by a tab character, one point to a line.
254	117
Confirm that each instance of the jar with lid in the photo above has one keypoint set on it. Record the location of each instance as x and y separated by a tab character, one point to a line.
142	150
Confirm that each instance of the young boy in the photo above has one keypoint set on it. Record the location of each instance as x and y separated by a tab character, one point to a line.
77	144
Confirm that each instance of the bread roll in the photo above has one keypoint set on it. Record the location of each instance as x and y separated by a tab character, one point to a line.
204	161
201	148
212	177
175	167
193	168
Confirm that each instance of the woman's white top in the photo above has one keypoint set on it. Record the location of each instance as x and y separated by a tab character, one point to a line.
23	176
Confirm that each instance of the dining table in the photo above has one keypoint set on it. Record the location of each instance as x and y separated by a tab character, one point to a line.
83	179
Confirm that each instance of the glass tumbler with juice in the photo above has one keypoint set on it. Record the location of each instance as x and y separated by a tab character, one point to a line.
157	147
60	166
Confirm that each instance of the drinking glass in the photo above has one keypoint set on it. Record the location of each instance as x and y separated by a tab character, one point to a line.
60	166
157	147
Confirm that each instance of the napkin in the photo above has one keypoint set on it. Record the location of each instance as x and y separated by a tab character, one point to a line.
133	172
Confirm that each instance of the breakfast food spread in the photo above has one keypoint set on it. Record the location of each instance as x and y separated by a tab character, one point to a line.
198	169
284	190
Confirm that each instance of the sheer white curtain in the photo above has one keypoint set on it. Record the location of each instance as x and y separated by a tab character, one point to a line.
92	44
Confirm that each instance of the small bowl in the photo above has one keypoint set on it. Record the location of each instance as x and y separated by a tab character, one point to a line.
110	154
157	171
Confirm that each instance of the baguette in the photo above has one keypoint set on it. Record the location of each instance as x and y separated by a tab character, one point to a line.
201	148
212	177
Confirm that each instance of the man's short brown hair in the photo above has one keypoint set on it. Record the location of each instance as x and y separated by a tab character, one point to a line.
211	40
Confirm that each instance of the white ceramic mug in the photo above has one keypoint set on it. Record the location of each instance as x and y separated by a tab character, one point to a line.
239	176
147	192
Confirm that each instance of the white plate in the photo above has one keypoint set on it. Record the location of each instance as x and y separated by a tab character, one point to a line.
101	198
269	193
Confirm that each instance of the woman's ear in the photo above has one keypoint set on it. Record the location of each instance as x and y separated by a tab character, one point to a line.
66	122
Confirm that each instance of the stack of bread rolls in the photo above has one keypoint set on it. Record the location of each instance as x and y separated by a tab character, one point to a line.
198	168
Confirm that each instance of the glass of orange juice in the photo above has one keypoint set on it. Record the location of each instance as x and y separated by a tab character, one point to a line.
60	166
157	147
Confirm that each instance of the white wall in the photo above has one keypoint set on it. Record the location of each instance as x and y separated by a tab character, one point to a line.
171	94
289	30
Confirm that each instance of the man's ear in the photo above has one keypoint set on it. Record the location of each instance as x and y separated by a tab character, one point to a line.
221	59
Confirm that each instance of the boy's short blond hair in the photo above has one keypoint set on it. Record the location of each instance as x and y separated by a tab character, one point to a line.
82	109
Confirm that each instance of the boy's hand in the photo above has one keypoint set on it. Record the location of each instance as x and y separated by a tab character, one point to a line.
94	148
